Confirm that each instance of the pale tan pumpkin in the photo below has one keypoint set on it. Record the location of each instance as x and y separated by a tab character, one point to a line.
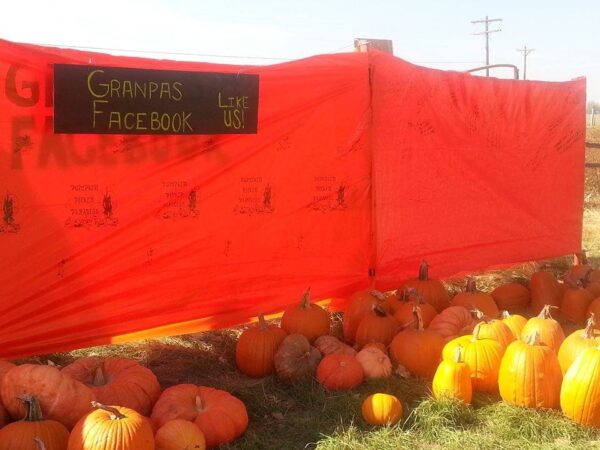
374	362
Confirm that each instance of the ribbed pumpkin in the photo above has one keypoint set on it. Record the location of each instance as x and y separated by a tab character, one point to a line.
374	362
331	344
575	302
431	291
472	299
594	307
377	326
404	310
530	375
577	342
359	305
416	349
514	322
256	347
580	390
112	428
296	359
452	379
497	330
550	331
580	269
308	319
117	381
179	434
378	346
61	397
5	366
452	322
449	350
593	287
19	435
381	409
512	297
220	416
545	290
338	372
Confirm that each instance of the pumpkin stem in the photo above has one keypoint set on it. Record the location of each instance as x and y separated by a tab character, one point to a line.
379	311
414	295
475	335
34	411
588	332
505	314
417	313
377	294
471	285
458	354
99	378
305	300
199	404
479	315
424	271
115	414
533	338
39	443
262	323
545	312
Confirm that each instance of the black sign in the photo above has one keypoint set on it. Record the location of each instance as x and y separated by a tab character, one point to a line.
111	100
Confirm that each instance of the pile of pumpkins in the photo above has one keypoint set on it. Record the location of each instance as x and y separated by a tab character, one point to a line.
74	409
473	342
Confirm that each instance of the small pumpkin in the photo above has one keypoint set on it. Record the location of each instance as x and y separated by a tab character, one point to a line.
179	434
359	305
530	374
308	319
374	362
378	346
19	435
545	290
219	415
579	399
512	297
577	342
296	359
431	291
472	299
575	302
256	347
112	427
338	372
452	322
377	326
497	330
580	269
117	381
330	344
416	349
549	330
404	315
452	379
381	409
514	322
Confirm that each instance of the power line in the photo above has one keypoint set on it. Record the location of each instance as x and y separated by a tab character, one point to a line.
487	39
526	51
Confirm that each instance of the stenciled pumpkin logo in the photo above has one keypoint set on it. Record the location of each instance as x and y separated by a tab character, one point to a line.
329	194
9	224
90	207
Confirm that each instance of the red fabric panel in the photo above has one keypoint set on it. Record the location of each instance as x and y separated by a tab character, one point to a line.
472	172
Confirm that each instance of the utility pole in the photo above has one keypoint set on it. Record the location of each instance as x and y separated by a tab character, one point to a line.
526	51
487	32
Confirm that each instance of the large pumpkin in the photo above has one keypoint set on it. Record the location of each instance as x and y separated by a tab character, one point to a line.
575	302
256	347
431	291
220	416
377	326
549	330
416	349
381	409
452	322
452	379
530	375
19	435
579	399
512	297
339	372
61	397
296	359
514	322
359	305
577	342
404	310
545	290
112	428
117	381
375	363
308	319
473	299
179	434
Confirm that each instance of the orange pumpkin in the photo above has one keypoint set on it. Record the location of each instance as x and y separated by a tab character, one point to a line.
431	291
416	349
549	330
256	347
179	434
378	346
308	319
472	299
112	427
5	366
495	329
452	322
20	435
514	322
61	397
296	359
579	399
575	302
331	344
382	409
117	381
580	269
375	363
594	307
338	372
577	342
545	290
377	326
483	357
452	379
512	297
220	416
404	311
359	305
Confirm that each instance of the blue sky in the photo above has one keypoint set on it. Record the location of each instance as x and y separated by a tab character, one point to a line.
565	35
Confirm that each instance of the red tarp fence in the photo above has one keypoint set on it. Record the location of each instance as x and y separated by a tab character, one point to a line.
363	165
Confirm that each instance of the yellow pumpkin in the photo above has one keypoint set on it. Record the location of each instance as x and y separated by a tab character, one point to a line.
579	399
452	379
577	342
381	409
